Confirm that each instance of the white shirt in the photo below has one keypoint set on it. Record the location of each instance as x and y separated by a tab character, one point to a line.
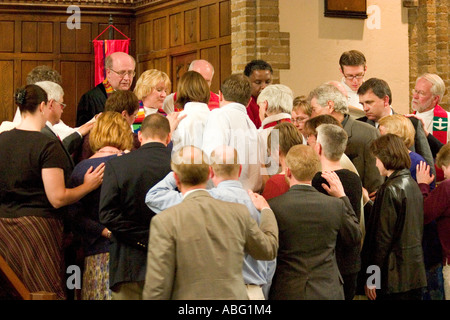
190	129
60	129
353	97
230	125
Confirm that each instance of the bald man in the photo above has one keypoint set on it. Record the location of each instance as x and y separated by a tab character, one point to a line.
206	69
120	72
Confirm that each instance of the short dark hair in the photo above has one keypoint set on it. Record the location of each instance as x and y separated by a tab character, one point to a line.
155	125
378	86
257	65
29	97
122	100
352	58
392	152
237	88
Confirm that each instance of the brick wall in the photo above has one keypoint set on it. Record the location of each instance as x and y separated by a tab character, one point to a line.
429	48
256	35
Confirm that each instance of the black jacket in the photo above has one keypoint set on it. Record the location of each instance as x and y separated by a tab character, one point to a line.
123	211
393	240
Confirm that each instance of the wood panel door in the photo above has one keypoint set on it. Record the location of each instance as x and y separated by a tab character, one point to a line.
32	37
170	37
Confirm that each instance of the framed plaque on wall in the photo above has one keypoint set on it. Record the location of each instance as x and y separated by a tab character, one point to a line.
346	9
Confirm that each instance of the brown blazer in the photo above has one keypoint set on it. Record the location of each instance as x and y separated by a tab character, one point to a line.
196	249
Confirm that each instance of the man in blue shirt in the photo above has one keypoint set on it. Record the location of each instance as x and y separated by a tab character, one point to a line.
225	171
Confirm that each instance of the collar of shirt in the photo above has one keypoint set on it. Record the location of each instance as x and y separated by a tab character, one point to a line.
192	191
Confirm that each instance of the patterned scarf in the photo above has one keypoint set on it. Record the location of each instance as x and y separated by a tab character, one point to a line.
109	89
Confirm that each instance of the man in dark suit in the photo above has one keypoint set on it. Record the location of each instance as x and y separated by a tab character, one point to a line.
122	205
376	98
327	99
309	224
119	67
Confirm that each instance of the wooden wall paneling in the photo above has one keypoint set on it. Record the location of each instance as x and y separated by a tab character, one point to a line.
45	37
212	55
145	31
7	104
161	64
209	28
76	81
76	40
225	62
29	36
7	32
225	18
160	34
176	26
143	66
180	64
83	39
190	26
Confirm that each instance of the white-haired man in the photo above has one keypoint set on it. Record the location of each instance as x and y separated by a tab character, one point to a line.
427	94
275	105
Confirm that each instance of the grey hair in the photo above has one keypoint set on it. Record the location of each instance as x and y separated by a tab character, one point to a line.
280	98
437	84
328	92
333	139
54	90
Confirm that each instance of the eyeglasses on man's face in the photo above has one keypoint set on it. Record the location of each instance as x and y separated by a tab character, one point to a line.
419	92
124	73
356	76
63	105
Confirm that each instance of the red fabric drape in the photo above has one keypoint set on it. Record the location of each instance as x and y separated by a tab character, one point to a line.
103	48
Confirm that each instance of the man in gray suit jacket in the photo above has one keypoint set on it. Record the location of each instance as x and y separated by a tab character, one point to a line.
327	99
309	223
196	248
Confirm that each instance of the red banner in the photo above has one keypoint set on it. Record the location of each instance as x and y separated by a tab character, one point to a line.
103	48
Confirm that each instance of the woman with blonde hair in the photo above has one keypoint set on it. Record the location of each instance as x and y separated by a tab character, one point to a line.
110	137
151	89
401	126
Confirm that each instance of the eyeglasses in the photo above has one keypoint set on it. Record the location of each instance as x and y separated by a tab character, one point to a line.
419	92
351	77
299	120
123	73
63	105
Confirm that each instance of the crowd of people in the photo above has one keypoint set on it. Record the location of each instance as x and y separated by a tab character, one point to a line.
252	192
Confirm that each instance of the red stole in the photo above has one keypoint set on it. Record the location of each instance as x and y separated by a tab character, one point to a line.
440	125
274	123
440	128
